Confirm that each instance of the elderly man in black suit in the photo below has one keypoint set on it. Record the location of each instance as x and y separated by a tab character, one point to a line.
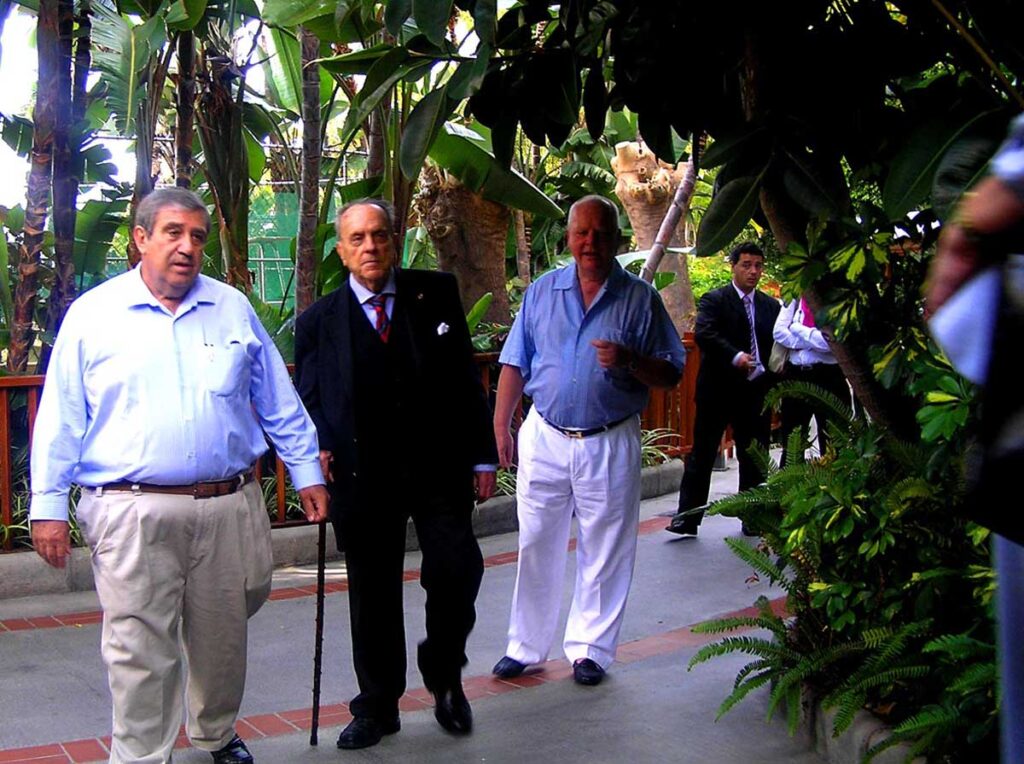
385	368
734	334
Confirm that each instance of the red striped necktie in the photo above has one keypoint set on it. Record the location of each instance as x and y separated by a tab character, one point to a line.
383	325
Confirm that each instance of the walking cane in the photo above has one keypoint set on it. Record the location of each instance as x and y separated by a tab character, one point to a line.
318	647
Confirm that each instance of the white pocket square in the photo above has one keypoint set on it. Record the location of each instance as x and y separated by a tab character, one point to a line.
442	328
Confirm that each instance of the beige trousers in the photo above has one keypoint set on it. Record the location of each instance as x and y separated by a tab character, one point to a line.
177	578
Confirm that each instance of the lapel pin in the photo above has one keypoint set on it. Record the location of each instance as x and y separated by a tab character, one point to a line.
442	328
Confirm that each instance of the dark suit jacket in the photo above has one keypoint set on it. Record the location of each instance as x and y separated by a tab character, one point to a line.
722	331
446	382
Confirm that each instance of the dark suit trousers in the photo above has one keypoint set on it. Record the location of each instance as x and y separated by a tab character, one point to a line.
374	541
797	413
739	406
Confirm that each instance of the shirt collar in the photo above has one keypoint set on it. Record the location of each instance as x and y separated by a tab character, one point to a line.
739	291
363	294
139	294
566	278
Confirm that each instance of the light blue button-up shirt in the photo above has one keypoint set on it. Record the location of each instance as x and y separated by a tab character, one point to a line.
550	343
136	393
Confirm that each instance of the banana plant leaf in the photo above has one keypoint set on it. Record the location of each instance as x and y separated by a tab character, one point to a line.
460	151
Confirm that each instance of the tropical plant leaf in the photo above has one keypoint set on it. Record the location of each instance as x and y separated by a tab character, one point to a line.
17	133
478	311
729	146
485	13
595	102
913	168
122	53
291	13
95	226
460	151
962	166
184	15
728	213
469	75
396	12
432	18
425	122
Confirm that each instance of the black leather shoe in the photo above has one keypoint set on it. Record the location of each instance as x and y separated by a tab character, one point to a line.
234	752
452	711
364	731
508	668
585	671
684	526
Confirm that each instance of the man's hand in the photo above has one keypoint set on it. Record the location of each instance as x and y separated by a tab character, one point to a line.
484	482
326	460
314	502
506	446
52	541
611	355
745	361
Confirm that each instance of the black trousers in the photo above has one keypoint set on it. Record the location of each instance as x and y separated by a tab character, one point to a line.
373	538
798	413
740	407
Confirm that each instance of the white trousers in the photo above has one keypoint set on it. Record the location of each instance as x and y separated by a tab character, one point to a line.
597	479
177	579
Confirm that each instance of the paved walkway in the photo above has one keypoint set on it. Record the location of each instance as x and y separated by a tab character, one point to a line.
55	704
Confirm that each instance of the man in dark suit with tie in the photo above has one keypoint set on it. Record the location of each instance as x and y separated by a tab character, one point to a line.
385	368
734	334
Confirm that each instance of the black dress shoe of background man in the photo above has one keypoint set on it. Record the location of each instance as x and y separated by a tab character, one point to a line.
452	711
364	731
508	668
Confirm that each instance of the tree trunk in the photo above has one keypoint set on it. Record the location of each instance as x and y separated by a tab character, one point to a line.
65	187
306	256
522	247
227	162
38	190
469	234
646	187
185	109
376	146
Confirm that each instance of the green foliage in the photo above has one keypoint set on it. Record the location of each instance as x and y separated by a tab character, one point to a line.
655	445
871	545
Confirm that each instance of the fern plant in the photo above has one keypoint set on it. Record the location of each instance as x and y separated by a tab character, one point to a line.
871	547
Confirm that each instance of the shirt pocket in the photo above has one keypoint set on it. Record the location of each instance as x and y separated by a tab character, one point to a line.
227	369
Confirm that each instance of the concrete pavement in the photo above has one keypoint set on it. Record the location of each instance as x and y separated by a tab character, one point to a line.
55	704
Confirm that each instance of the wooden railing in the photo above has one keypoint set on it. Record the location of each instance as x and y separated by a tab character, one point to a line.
19	400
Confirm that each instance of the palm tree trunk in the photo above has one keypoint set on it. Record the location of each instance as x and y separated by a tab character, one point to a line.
37	203
65	185
306	255
522	247
185	108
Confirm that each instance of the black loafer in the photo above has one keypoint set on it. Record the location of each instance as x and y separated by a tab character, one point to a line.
508	668
452	711
585	671
364	731
234	752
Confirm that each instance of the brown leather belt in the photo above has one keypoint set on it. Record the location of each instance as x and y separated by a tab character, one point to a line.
208	489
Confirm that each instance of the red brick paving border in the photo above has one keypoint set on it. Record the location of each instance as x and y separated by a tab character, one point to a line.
335	715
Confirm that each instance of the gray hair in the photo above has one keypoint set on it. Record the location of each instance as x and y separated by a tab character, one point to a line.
383	206
172	196
611	212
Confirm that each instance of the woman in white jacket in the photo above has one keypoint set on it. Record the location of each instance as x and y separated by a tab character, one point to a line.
810	360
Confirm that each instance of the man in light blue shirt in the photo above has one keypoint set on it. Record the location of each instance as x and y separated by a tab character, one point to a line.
586	346
160	387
